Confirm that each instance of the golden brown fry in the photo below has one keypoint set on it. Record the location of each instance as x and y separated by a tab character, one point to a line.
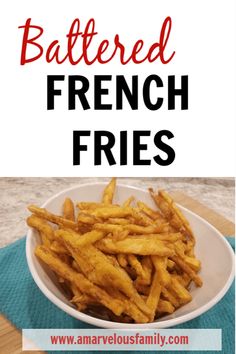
165	307
193	262
130	308
140	245
68	210
114	212
153	214
154	296
160	264
87	219
80	240
92	205
179	290
172	213
122	259
119	221
108	228
45	240
147	272
136	265
145	230
83	284
58	248
141	218
187	269
44	214
128	202
109	191
170	297
42	226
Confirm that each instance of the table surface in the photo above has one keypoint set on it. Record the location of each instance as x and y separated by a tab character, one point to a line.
10	338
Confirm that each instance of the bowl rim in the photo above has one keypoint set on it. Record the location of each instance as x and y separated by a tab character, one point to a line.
109	324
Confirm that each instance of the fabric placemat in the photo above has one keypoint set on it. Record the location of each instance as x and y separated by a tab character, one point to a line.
26	307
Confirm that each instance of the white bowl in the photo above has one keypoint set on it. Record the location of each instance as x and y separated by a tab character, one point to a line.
212	249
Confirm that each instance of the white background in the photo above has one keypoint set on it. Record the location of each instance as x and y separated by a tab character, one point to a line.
37	142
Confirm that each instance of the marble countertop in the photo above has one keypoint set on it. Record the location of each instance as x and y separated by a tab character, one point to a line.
17	193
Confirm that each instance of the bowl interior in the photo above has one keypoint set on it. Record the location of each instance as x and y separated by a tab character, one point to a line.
211	248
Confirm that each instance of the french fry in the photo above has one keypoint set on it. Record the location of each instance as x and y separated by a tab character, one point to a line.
165	307
170	297
92	205
68	210
153	214
122	259
44	214
172	213
130	307
83	284
145	278
109	191
58	248
136	245
136	265
80	240
114	212
179	290
160	264
42	226
128	202
119	221
154	296
187	269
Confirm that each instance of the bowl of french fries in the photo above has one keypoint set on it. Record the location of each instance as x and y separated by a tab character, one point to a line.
116	256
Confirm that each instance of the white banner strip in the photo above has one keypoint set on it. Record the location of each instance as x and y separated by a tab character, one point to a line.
108	340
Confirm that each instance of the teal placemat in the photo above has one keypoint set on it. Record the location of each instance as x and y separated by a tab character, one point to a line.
24	305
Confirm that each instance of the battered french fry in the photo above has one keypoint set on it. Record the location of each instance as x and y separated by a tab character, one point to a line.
122	259
145	278
109	191
193	262
68	210
119	221
44	214
93	205
187	269
83	284
80	240
58	248
160	264
42	226
179	290
136	245
154	296
165	307
170	297
153	214
87	219
136	265
172	213
108	228
130	307
114	212
45	240
128	202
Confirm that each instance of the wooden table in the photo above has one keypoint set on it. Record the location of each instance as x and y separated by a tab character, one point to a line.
10	336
